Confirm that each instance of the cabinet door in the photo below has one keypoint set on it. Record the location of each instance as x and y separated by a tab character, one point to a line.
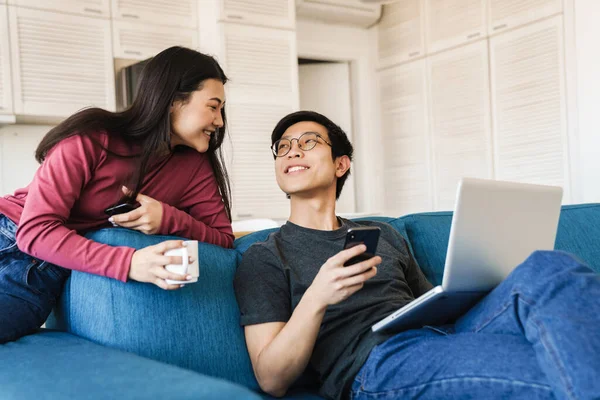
272	13
401	32
460	119
403	94
180	13
60	63
139	41
92	8
5	78
507	14
454	22
262	66
528	100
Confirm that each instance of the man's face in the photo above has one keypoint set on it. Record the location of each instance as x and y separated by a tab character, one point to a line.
306	172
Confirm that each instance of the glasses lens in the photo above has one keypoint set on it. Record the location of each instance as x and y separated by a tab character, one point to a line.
281	147
308	141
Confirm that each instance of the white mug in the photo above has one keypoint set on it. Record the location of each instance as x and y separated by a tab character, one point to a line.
191	249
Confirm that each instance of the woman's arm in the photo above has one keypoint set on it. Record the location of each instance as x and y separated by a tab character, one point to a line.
56	187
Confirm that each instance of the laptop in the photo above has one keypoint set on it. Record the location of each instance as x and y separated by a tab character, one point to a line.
495	227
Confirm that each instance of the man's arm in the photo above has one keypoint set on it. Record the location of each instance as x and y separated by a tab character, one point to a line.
280	351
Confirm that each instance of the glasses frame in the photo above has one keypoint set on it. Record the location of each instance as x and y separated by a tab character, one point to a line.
273	146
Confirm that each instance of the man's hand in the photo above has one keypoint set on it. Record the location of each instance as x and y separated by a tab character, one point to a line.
335	283
146	218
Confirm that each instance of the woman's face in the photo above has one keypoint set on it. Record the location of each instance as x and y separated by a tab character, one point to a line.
195	121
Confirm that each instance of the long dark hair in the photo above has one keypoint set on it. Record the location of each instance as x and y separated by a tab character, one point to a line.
171	75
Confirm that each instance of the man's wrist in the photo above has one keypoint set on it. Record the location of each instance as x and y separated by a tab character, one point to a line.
313	302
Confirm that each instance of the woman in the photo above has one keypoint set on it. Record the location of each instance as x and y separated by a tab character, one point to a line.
162	154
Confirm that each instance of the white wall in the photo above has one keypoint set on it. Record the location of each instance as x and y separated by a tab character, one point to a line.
587	34
17	161
342	43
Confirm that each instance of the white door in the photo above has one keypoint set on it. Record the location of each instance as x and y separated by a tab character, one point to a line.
5	77
179	13
317	83
406	143
454	22
528	105
60	63
401	32
90	8
262	66
460	119
509	14
138	41
270	13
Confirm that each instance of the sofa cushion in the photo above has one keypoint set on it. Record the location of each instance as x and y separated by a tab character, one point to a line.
56	365
196	327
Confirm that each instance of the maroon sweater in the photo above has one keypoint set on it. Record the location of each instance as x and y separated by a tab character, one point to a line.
78	180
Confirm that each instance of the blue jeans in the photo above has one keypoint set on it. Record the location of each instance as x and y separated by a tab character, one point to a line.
536	336
29	287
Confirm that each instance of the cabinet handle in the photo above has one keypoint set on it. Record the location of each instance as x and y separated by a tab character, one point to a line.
474	35
244	215
234	16
92	10
137	53
414	53
130	16
499	27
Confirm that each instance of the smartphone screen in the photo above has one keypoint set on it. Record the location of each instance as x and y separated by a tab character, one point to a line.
120	209
369	236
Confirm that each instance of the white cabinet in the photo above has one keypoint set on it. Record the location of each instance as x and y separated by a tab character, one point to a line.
139	41
528	100
460	119
454	22
180	13
5	76
406	145
60	63
507	14
272	13
267	13
401	32
261	64
92	8
345	12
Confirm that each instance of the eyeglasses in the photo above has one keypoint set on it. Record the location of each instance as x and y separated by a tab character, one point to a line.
306	141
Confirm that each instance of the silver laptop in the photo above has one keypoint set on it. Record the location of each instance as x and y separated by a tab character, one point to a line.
495	227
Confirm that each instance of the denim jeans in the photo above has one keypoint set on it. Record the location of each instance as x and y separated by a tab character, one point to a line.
29	287
535	336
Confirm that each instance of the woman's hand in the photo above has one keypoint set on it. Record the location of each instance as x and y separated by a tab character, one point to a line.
146	218
148	265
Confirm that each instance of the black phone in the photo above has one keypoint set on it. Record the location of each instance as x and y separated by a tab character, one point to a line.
120	209
367	235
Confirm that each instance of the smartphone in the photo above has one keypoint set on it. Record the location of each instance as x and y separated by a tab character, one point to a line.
120	209
367	235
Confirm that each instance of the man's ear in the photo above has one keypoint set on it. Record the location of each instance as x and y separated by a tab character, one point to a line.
342	165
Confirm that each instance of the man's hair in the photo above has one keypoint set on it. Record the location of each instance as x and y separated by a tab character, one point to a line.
340	145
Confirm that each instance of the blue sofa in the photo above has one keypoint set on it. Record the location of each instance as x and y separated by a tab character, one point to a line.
114	340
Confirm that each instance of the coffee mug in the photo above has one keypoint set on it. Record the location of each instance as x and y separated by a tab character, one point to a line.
191	249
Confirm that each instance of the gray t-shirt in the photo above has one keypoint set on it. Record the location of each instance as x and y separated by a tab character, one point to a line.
273	276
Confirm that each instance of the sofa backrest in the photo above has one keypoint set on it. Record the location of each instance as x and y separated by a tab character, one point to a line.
196	327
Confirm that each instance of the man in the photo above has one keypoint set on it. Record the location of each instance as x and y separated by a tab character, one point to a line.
534	336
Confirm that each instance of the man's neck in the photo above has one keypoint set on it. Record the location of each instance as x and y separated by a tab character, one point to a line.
314	213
